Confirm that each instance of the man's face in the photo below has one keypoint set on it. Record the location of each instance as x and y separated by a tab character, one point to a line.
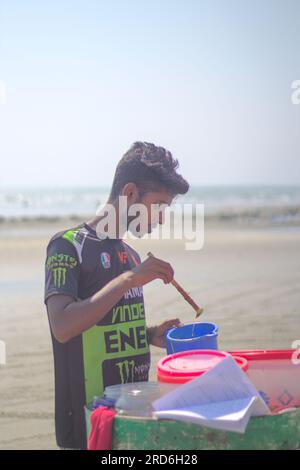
155	203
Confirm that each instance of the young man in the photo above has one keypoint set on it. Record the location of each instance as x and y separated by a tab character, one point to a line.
94	296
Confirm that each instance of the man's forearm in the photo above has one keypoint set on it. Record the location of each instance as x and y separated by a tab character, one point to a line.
79	316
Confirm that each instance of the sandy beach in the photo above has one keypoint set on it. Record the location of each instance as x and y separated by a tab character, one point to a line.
246	278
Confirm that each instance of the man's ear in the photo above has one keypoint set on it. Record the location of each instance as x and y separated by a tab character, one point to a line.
131	191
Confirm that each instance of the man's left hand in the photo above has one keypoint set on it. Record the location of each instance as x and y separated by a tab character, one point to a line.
157	333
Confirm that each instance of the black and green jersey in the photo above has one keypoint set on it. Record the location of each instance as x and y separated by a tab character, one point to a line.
115	350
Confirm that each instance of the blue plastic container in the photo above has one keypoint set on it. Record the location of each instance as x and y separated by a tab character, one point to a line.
192	336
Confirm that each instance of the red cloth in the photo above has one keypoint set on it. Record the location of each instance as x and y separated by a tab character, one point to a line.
100	437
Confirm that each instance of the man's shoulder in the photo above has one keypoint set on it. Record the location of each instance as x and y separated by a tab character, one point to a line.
71	238
69	234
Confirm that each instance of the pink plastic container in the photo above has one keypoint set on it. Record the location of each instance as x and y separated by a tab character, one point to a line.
184	366
275	374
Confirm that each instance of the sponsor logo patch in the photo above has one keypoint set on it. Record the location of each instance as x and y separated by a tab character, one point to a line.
105	260
59	276
123	256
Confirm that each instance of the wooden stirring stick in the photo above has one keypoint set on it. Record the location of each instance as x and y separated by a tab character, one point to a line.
185	295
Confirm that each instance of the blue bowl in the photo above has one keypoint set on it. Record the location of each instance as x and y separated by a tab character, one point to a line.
192	336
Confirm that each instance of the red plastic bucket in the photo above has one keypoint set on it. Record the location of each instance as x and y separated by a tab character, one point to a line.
184	366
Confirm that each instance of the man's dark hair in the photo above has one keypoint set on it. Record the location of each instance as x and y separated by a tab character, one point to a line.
151	168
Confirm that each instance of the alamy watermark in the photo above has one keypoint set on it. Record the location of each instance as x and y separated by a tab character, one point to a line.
2	353
157	222
295	96
296	353
3	92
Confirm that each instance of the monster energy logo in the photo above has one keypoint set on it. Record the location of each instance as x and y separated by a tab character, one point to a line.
61	259
59	276
126	371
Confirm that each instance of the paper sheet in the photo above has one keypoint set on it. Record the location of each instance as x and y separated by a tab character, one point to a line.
222	398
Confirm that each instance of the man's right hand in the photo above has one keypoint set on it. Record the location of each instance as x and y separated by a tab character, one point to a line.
150	269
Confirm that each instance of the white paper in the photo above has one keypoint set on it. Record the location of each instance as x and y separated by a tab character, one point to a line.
222	398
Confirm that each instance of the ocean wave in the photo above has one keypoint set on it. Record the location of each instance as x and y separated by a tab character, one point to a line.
275	204
284	216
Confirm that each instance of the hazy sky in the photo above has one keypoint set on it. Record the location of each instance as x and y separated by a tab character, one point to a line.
210	80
